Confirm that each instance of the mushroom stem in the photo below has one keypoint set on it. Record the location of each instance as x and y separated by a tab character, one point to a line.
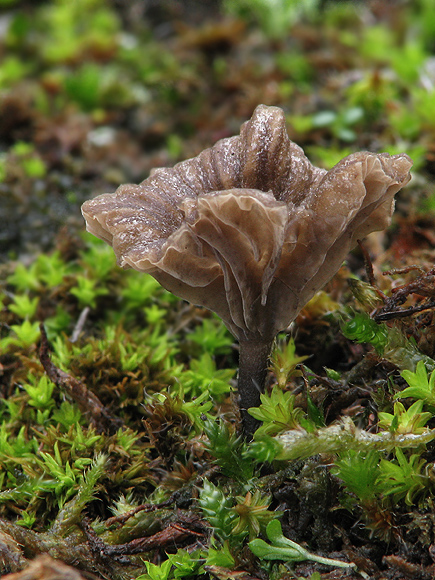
253	357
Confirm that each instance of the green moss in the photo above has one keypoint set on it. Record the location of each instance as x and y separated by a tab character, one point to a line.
171	460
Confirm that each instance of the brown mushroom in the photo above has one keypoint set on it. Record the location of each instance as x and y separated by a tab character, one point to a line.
249	229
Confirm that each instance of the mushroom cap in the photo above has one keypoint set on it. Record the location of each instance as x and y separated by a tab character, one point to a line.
249	228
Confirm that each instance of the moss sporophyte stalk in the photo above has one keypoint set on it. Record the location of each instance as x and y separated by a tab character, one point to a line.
249	229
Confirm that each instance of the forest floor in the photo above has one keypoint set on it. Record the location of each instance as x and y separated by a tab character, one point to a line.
119	454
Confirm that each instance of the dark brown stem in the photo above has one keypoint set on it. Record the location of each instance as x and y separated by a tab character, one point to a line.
253	357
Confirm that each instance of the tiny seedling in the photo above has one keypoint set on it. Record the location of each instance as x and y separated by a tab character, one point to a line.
204	375
186	564
52	269
24	306
359	471
97	261
221	557
26	335
216	506
420	386
139	290
40	392
229	451
24	279
405	478
157	572
278	413
87	292
410	420
284	361
253	514
212	337
281	548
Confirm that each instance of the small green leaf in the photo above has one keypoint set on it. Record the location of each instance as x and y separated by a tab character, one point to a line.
359	471
410	420
40	392
315	414
23	278
86	291
404	478
284	549
420	387
27	334
24	306
221	557
277	412
284	361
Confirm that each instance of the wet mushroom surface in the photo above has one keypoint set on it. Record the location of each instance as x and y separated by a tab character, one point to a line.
249	229
237	379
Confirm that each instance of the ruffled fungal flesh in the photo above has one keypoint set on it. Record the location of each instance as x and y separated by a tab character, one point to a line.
249	228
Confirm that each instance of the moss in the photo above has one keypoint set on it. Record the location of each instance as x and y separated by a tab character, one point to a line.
120	464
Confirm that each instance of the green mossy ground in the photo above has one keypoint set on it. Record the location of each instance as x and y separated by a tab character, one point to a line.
119	453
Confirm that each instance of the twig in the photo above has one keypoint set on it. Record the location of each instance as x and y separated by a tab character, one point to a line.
369	270
80	323
189	525
87	401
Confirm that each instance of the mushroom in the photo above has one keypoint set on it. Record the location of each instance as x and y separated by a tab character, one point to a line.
249	229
